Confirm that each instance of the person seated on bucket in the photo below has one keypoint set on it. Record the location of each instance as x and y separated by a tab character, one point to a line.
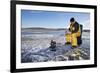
71	38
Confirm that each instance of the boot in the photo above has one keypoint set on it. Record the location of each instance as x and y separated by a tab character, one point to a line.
73	47
67	43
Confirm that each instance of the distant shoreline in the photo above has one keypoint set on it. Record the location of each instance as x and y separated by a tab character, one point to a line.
49	29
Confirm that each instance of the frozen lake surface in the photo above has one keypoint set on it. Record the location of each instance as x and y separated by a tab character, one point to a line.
35	46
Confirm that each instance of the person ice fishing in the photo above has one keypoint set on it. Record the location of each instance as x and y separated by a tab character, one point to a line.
74	29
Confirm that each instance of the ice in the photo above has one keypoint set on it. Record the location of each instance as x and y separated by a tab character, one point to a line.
35	46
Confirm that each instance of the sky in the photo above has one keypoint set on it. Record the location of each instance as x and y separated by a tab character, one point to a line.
52	19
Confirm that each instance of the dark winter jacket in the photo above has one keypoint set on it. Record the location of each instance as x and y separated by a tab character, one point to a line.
75	26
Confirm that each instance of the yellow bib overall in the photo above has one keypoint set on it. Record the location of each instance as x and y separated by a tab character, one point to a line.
72	37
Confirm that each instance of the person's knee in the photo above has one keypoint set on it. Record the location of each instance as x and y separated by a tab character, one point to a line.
78	34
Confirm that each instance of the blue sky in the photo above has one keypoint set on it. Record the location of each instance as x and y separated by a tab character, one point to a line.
48	19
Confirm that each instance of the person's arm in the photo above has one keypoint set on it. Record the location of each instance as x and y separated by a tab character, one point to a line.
70	27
